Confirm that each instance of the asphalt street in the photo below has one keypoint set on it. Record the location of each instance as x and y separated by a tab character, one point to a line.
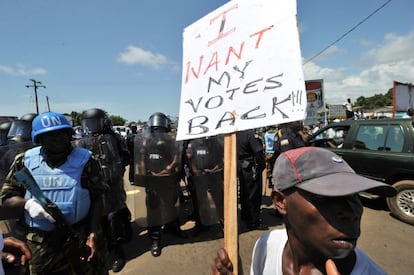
388	241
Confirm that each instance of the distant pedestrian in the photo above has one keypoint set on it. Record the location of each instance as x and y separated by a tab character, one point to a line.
409	113
348	109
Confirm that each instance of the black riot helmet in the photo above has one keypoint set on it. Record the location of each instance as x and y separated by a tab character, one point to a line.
4	129
28	117
159	121
20	131
5	126
94	120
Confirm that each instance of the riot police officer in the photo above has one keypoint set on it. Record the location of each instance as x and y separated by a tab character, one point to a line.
291	137
18	140
112	154
20	129
157	166
251	163
205	160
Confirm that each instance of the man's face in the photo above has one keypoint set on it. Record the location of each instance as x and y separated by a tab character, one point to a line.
55	141
326	225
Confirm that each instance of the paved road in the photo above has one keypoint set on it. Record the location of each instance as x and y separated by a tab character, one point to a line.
386	240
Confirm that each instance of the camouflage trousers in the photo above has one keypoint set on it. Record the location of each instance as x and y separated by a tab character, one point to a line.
51	254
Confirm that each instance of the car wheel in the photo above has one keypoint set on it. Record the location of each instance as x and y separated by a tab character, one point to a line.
402	205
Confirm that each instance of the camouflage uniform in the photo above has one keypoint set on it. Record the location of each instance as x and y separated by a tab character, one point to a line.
52	252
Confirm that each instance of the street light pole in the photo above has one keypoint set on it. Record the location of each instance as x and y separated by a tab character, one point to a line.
36	84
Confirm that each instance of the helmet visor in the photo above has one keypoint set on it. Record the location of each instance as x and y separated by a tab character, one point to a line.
20	128
93	125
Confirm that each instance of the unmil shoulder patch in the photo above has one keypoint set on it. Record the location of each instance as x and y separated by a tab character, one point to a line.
284	142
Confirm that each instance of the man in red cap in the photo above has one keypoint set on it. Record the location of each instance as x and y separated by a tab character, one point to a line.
316	192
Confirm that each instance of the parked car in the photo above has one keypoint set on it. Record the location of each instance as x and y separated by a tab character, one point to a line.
378	149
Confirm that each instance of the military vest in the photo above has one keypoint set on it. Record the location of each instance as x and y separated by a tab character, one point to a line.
62	185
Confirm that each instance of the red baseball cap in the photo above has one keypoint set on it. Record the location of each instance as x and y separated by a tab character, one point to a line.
322	172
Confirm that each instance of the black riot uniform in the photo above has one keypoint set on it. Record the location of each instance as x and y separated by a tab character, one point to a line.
204	158
112	154
290	138
251	162
157	166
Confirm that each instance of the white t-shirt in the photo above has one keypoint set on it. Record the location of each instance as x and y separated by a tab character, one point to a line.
268	250
348	106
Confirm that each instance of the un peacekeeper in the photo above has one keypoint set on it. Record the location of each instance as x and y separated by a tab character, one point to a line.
70	178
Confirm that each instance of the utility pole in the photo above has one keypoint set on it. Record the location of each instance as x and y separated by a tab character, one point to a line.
48	106
36	84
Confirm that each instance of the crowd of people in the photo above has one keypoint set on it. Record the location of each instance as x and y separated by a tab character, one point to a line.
75	220
65	191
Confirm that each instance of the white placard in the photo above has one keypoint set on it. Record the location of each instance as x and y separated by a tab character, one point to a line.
403	96
241	69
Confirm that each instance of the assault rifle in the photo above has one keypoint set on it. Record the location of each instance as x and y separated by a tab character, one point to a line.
25	177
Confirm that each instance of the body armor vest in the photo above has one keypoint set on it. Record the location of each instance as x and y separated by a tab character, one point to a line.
62	185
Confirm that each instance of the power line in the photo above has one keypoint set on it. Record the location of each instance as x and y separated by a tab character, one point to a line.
36	85
348	32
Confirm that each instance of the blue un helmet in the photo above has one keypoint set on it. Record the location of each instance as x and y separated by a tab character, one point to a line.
48	122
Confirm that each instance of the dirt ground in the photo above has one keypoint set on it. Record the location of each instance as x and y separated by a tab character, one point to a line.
388	241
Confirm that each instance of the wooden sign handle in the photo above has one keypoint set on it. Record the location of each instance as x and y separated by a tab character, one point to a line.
231	236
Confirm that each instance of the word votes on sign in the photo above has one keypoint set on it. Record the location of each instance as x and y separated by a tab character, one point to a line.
225	91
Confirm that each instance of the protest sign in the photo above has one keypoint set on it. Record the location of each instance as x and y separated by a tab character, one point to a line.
337	111
403	96
315	99
242	69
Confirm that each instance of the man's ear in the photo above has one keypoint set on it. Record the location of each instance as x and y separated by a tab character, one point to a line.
279	199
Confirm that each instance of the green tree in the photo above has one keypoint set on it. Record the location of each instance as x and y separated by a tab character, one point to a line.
117	120
361	101
375	101
75	117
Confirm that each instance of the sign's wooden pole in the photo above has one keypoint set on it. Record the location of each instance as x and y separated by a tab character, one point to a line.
231	236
